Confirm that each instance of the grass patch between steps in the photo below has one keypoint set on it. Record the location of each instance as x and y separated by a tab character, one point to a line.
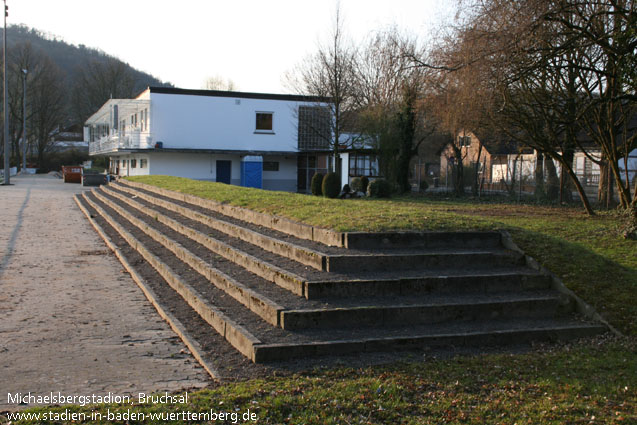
587	253
586	382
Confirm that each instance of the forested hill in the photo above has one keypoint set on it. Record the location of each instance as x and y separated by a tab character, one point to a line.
86	76
69	57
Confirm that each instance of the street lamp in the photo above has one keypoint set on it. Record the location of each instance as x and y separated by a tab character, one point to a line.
24	120
7	170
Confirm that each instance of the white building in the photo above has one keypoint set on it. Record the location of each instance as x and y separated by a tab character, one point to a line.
248	139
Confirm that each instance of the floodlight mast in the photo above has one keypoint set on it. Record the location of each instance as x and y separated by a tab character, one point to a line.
24	120
7	169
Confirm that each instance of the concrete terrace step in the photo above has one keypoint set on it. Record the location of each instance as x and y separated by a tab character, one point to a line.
265	294
444	282
345	317
472	335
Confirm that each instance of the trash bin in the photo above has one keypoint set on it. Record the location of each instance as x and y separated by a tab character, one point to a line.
72	174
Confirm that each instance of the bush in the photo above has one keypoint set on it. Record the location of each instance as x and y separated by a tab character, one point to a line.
331	185
316	183
424	185
379	188
357	184
365	183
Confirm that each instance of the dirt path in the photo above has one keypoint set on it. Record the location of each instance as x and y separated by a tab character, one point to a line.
71	320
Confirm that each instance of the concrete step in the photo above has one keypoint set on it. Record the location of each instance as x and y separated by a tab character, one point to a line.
429	240
450	282
425	313
477	335
472	258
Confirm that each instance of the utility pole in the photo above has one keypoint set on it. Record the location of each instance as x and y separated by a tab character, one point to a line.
7	169
24	120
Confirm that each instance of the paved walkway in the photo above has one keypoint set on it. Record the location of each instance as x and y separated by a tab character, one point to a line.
71	320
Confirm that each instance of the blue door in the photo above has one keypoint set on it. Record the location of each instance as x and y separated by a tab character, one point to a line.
224	171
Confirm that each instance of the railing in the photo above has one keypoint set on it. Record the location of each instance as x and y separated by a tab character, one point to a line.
113	143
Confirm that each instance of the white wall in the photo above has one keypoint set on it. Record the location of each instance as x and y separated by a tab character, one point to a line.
205	122
192	165
285	178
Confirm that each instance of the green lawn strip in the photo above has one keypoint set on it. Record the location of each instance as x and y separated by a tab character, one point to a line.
587	382
587	253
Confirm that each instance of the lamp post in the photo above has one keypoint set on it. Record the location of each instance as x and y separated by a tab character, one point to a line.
24	120
7	169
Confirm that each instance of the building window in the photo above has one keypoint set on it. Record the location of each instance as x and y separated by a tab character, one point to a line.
465	141
363	165
264	121
270	166
143	163
314	129
133	163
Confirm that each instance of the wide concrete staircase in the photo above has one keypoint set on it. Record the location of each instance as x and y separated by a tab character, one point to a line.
279	290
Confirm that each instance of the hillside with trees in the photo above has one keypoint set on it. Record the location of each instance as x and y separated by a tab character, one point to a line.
65	85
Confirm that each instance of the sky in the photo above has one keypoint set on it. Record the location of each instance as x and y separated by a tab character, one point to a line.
253	43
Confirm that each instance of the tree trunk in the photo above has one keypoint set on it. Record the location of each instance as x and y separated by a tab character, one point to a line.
553	184
578	186
476	171
458	181
566	190
540	190
605	189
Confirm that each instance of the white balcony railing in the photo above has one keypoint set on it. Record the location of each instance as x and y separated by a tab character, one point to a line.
115	142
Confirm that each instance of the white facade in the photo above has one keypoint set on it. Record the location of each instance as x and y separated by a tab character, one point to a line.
201	134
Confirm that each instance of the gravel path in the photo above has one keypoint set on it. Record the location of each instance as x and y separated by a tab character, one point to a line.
72	320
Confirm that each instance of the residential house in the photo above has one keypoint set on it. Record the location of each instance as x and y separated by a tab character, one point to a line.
497	159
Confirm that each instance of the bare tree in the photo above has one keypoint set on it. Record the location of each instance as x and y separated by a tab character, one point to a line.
99	81
329	74
219	83
390	103
558	70
48	110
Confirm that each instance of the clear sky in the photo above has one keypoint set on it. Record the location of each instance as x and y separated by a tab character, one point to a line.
249	41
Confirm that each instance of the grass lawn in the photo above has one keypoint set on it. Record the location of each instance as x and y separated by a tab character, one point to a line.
592	381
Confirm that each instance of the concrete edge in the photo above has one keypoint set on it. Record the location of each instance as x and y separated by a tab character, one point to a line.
306	256
414	239
259	305
263	269
235	334
285	225
581	306
173	322
274	352
418	313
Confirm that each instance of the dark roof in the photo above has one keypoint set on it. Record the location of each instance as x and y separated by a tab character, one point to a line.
236	94
498	144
